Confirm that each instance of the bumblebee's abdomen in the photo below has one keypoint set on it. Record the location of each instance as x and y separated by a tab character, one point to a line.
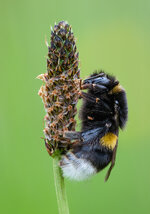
102	160
80	165
98	158
76	168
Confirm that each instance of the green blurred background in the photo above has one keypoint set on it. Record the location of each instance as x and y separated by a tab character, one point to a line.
111	35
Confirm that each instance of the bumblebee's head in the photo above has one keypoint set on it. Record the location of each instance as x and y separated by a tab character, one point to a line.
101	79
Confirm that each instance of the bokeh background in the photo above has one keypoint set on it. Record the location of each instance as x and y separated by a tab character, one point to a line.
111	35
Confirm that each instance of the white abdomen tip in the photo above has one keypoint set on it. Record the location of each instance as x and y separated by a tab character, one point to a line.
76	168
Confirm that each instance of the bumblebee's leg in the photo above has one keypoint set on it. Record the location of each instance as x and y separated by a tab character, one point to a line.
96	87
112	162
88	97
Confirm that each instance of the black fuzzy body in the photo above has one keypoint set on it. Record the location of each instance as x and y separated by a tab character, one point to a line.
104	110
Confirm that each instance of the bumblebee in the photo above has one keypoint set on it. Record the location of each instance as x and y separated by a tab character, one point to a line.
103	112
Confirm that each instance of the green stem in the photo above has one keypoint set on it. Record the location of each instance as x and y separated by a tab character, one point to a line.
60	188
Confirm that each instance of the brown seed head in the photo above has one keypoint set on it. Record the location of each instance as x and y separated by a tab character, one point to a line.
62	85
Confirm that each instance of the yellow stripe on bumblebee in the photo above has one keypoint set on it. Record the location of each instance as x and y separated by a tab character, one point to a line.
118	88
109	140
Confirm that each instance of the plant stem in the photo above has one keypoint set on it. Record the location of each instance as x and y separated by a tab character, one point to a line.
60	188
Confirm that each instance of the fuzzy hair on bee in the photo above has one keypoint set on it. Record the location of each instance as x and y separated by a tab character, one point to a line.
103	112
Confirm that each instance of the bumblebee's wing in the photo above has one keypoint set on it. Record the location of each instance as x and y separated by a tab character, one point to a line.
88	135
112	162
94	133
72	135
